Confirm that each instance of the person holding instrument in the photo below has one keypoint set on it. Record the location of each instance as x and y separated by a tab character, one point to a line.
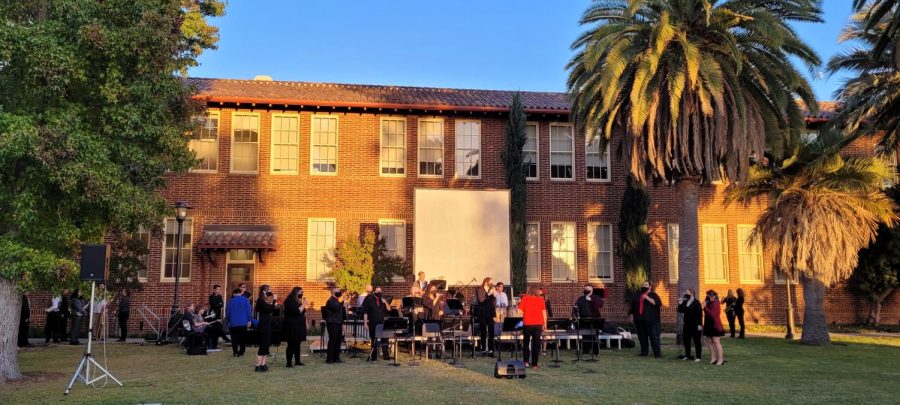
645	312
484	298
534	319
265	306
375	309
333	314
693	317
434	308
294	329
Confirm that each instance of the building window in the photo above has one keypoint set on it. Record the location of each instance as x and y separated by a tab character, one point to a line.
562	152
245	143
142	237
239	266
533	266
393	232
715	253
468	149
324	144
890	160
750	256
170	248
597	163
600	264
285	143
672	236
393	146
530	152
205	142
780	279
563	235
431	147
320	249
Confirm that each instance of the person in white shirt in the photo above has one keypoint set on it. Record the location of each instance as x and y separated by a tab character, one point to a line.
501	303
98	311
421	282
54	318
362	297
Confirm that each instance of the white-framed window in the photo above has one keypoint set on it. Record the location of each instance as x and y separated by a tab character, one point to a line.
320	245
562	152
324	143
672	241
597	163
285	143
750	256
600	257
562	235
530	153
142	236
393	231
393	147
715	253
244	142
205	142
780	279
431	147
533	266
468	149
170	247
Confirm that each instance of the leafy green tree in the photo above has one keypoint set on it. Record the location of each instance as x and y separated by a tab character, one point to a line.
514	163
92	117
693	88
635	237
388	267
354	263
127	260
823	208
878	273
882	16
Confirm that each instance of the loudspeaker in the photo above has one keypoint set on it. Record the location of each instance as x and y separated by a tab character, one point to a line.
509	369
94	262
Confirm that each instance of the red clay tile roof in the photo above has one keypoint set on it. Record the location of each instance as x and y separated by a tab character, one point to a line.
238	237
827	109
372	96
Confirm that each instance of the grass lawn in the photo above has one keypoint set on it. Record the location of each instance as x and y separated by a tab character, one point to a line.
759	370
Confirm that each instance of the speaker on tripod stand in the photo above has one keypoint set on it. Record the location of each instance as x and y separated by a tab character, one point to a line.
94	268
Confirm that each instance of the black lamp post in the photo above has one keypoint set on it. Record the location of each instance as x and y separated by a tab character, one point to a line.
180	214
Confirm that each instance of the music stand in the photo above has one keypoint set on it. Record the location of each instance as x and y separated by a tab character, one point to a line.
515	326
456	306
558	325
396	327
592	325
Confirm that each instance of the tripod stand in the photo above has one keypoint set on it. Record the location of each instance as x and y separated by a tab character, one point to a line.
83	371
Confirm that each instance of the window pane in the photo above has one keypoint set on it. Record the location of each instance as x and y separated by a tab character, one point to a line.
672	233
533	267
285	143
600	251
170	248
324	144
205	141
597	163
320	249
245	147
394	235
431	147
561	152
715	253
749	255
393	146
563	243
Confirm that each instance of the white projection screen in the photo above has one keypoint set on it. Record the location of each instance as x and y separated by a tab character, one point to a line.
460	235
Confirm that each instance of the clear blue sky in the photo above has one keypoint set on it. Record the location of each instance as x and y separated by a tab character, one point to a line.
490	44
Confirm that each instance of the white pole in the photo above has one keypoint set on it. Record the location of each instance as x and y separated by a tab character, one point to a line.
87	370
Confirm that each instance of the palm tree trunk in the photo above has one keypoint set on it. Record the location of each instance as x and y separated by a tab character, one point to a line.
815	327
687	191
10	307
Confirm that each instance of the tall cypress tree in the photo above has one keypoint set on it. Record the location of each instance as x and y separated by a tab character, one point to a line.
513	161
635	247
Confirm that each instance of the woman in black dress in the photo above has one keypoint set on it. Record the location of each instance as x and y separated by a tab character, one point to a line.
712	327
265	305
294	328
739	311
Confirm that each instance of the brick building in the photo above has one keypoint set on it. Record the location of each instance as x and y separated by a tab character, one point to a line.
290	169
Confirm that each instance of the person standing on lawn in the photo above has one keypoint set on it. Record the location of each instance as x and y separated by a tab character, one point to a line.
739	312
645	313
730	301
712	327
693	317
239	317
534	320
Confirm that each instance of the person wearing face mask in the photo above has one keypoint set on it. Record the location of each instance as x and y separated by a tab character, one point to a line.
333	314
294	328
375	309
645	313
693	317
265	306
584	308
712	327
485	301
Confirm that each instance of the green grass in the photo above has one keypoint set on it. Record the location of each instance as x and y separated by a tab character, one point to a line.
855	369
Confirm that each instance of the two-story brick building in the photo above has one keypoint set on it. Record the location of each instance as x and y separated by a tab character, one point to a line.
290	169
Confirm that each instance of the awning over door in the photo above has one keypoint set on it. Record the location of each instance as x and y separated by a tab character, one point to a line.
263	237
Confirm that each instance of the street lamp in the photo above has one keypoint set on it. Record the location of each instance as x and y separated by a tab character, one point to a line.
181	209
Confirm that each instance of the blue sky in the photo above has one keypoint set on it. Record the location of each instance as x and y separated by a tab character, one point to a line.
489	44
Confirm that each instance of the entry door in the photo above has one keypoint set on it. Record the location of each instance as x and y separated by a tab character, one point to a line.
240	268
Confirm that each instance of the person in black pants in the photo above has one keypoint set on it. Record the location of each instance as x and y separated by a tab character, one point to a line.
693	317
51	325
333	314
77	311
739	312
123	313
584	311
294	328
534	321
265	306
217	308
375	308
64	314
730	301
484	297
645	313
24	323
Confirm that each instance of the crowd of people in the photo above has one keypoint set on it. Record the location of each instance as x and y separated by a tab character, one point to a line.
490	304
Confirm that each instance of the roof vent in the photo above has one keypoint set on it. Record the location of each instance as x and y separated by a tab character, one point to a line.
263	78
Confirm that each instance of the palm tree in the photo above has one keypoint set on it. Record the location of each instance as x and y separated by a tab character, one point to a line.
693	87
871	100
823	208
878	12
